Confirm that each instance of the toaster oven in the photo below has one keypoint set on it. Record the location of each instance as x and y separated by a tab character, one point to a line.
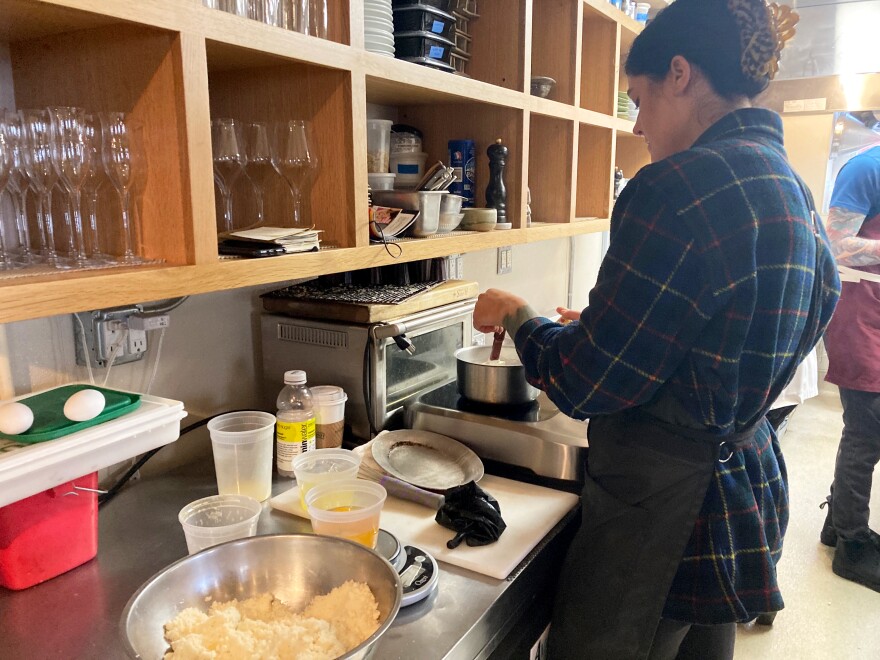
381	366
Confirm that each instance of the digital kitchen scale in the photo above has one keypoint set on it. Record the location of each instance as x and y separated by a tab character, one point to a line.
418	570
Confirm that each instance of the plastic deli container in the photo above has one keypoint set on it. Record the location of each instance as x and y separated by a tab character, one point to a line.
381	180
347	509
242	446
26	470
642	9
378	144
442	5
409	167
218	519
423	44
49	533
405	139
424	18
324	466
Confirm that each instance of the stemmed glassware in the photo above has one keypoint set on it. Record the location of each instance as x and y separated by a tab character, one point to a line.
5	169
90	188
17	187
259	166
295	160
229	162
122	153
72	158
42	177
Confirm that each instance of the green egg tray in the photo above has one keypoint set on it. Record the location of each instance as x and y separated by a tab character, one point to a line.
50	422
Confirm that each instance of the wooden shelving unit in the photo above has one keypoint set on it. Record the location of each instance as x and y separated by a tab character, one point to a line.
175	64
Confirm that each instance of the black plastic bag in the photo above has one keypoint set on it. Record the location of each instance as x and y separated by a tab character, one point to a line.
473	514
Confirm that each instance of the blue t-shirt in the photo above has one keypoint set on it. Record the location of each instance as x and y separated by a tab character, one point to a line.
857	187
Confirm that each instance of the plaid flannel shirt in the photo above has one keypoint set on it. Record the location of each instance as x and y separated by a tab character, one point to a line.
696	316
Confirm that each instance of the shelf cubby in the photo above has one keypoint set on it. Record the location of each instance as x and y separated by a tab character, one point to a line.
132	69
630	154
292	90
551	152
594	177
497	52
555	46
599	71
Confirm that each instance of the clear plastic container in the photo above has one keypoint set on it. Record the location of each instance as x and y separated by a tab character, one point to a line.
642	9
217	519
324	466
242	446
405	139
347	509
408	166
295	433
378	144
381	180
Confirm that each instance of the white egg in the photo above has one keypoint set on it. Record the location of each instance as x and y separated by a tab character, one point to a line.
15	418
84	405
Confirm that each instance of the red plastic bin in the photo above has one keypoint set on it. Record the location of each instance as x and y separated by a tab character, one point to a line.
48	534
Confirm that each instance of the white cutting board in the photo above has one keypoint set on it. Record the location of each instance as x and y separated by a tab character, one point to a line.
529	511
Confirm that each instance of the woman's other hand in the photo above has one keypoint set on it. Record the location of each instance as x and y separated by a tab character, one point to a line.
494	308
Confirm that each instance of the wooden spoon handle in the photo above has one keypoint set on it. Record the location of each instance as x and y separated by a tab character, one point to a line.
496	345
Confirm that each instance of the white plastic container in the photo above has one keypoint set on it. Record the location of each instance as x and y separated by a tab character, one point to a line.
642	9
26	470
218	519
381	180
329	403
378	144
408	166
242	445
324	466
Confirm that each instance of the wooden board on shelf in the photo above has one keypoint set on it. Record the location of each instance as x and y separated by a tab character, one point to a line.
448	292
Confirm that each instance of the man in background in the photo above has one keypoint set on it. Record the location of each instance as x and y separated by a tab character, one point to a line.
853	345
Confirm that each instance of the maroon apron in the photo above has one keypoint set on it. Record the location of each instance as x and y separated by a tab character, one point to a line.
853	336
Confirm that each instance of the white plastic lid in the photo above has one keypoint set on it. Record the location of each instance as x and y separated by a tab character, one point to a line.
328	394
294	377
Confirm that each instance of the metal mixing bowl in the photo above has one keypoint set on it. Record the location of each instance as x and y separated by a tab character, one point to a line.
292	567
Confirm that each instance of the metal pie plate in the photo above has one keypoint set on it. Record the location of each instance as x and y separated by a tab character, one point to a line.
427	460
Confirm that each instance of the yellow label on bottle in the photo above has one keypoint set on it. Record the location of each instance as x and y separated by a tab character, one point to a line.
292	439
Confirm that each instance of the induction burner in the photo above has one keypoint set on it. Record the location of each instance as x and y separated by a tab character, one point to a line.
535	437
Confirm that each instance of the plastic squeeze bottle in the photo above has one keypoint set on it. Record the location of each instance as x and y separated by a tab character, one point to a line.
295	429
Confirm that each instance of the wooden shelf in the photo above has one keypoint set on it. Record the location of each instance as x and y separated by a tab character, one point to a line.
174	64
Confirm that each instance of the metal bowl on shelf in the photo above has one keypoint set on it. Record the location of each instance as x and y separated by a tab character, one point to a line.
293	567
542	86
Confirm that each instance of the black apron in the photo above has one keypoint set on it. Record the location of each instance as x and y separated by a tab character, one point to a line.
645	484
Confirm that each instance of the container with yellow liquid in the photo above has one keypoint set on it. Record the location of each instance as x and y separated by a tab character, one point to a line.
347	509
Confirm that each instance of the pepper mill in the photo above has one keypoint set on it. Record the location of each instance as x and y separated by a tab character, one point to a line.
496	193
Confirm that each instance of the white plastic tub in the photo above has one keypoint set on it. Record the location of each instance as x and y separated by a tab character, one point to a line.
26	470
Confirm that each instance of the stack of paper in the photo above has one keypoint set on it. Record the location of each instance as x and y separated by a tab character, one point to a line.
291	239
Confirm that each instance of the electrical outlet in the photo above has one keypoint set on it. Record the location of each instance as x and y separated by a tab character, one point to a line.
108	336
505	260
137	340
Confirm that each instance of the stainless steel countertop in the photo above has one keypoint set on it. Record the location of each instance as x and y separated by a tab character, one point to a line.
76	615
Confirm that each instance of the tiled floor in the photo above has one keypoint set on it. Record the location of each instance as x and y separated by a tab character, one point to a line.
825	616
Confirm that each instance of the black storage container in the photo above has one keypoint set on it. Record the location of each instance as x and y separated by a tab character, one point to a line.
442	5
427	61
424	18
423	44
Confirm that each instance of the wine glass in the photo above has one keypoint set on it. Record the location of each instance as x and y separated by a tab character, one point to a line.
294	158
259	166
72	159
229	162
91	186
42	177
17	186
122	153
6	261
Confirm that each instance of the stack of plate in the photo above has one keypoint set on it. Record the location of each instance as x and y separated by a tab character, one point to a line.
378	27
626	109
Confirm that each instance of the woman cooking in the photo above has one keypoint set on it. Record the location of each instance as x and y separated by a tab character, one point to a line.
718	281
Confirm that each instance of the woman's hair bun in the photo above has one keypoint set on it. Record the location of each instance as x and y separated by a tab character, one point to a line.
764	29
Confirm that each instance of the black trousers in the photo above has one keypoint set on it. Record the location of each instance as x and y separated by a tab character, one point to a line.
857	455
675	640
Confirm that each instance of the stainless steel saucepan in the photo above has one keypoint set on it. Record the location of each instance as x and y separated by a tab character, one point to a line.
501	381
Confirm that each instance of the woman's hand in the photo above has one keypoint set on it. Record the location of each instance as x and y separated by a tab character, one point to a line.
567	315
494	307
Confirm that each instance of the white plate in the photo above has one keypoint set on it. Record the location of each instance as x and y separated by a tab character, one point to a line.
378	40
379	14
379	24
427	460
377	46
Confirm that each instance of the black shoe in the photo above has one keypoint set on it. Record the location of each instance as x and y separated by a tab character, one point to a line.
858	561
828	535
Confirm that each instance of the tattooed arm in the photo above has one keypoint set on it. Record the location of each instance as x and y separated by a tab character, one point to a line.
849	249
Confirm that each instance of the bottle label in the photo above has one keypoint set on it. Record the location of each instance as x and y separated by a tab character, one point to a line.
292	439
